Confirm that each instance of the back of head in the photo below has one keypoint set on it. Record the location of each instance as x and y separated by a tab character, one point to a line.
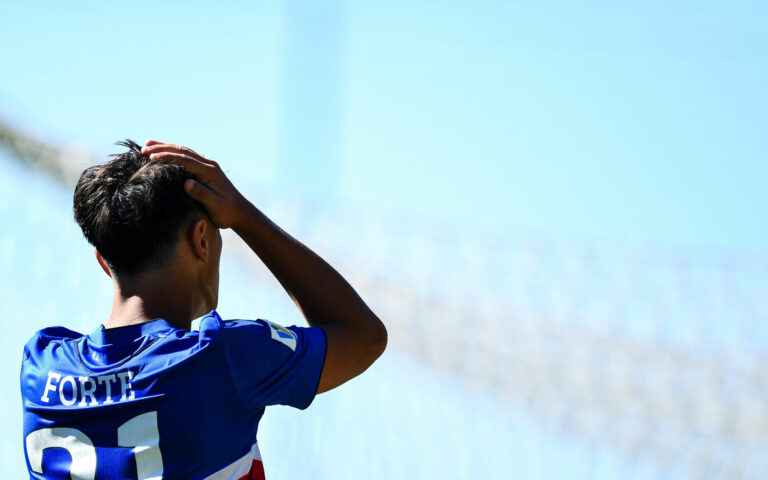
133	210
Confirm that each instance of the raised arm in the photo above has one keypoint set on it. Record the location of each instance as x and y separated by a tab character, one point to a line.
356	337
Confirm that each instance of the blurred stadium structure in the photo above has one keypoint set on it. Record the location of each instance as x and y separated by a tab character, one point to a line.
654	353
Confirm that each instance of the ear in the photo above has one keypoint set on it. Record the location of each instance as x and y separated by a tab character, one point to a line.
201	247
103	264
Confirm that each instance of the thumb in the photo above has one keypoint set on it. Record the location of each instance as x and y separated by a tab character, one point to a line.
198	191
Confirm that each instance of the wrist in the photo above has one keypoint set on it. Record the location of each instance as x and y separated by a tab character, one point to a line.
243	213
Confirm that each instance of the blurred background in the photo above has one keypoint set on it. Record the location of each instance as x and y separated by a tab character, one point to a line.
557	208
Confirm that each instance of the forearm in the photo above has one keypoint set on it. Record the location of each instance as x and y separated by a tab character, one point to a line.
355	337
321	293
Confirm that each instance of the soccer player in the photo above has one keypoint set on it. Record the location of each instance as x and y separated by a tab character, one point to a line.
143	396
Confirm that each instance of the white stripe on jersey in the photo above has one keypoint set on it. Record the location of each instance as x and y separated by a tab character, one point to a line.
240	468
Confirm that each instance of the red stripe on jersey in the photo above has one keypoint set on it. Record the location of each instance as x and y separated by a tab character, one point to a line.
256	473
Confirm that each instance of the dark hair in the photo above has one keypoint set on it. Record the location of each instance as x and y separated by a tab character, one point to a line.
132	210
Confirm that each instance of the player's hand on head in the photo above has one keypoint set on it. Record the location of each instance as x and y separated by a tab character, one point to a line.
211	187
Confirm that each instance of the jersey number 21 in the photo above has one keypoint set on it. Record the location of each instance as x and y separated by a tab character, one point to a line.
139	434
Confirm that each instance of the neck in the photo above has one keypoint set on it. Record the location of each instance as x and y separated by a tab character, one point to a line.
150	298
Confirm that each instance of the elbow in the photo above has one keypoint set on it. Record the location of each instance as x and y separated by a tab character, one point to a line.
378	339
382	337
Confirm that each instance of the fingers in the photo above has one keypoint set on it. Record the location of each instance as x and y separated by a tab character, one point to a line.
199	192
192	161
169	147
194	166
158	147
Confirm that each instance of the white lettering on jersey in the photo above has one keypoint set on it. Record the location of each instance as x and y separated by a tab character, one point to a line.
68	401
107	379
125	385
87	389
50	387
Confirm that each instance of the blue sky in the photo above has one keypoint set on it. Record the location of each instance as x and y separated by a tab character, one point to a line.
597	121
608	122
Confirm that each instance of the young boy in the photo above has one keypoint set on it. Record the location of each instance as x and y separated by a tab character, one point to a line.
144	397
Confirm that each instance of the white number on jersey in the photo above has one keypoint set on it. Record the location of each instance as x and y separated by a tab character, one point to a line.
139	433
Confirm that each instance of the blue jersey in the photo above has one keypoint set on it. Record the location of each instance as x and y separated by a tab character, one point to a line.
153	401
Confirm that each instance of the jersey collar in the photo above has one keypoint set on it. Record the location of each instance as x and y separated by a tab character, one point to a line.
106	336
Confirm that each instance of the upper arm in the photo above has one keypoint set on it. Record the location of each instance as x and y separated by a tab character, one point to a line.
349	352
271	365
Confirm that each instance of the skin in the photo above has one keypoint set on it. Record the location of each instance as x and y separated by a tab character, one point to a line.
184	289
187	286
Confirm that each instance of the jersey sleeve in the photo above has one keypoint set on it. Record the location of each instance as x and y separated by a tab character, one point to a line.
272	365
